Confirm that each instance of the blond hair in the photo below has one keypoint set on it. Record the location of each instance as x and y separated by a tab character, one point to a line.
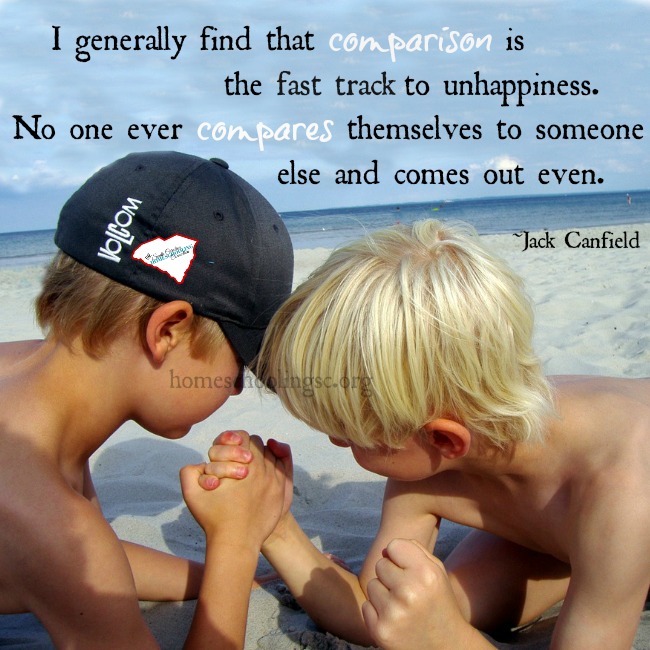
428	322
76	301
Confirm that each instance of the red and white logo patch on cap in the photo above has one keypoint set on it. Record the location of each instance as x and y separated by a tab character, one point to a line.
173	256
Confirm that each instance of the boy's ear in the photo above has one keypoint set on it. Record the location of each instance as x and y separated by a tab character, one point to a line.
167	326
451	438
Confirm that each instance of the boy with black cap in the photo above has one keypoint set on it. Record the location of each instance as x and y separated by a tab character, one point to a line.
168	263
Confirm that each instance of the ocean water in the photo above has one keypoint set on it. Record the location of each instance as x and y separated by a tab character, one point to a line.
330	227
488	215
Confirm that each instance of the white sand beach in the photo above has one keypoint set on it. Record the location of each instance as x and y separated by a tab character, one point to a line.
592	318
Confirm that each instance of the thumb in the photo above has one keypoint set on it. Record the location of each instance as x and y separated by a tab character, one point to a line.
282	452
190	475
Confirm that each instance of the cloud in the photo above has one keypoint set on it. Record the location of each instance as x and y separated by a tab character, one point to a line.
544	51
40	175
618	166
501	162
509	18
575	47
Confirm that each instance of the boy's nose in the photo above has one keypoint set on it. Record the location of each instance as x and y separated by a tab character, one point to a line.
338	442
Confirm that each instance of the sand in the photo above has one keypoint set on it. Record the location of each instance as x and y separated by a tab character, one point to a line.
592	316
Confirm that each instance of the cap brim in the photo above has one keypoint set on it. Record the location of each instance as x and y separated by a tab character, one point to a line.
245	341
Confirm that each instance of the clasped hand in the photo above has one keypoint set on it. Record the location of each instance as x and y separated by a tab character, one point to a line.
244	511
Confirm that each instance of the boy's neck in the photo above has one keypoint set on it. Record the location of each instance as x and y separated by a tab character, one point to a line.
82	398
519	464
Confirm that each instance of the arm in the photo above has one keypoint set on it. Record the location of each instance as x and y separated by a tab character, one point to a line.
332	596
76	578
610	573
411	604
161	576
236	518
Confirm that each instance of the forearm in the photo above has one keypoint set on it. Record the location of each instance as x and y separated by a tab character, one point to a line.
222	606
161	576
330	595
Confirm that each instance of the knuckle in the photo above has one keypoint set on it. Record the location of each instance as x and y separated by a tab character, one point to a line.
408	595
432	578
383	633
372	583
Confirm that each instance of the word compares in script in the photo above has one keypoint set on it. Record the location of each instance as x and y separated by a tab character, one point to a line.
262	133
449	41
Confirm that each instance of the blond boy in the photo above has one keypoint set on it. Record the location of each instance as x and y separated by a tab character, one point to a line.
552	474
170	265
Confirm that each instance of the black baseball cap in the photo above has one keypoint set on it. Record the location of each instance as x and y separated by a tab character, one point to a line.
178	227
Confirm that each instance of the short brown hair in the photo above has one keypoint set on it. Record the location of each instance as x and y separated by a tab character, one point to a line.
76	301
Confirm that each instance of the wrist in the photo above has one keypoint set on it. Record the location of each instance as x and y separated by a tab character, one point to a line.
228	564
281	533
229	542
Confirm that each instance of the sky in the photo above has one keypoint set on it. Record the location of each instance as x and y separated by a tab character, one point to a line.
596	45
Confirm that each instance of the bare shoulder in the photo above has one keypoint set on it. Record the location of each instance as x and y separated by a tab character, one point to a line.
61	560
597	404
632	388
610	418
12	352
50	534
